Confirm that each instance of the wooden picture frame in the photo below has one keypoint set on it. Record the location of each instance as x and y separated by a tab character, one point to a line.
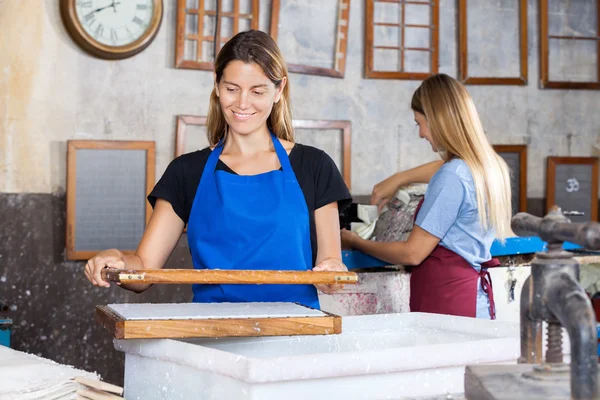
181	132
341	40
463	67
521	152
73	147
199	38
345	126
572	184
545	37
346	133
370	47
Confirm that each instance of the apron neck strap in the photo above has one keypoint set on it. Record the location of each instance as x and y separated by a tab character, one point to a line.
284	160
282	155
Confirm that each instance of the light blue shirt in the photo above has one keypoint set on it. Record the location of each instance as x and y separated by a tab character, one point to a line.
449	212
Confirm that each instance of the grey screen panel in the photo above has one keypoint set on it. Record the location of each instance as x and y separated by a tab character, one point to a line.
513	160
110	208
573	190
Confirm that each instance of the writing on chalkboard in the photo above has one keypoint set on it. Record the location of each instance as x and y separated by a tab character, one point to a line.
572	185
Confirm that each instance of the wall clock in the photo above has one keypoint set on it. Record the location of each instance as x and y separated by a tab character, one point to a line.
112	29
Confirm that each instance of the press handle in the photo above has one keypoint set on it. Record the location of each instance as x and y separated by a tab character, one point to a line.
554	230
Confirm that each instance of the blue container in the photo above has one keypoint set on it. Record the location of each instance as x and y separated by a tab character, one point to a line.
598	333
513	246
5	326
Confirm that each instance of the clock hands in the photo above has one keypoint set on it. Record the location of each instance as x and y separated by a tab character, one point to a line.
113	4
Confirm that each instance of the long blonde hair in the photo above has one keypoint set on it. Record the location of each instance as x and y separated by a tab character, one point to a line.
457	132
253	47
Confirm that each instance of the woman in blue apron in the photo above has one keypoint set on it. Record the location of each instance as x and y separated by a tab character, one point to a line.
254	199
466	205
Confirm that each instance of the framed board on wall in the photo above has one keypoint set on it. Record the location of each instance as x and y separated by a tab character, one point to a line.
504	24
326	54
515	157
337	144
107	185
572	184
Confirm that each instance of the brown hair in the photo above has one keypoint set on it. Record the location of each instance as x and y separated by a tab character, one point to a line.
456	131
253	47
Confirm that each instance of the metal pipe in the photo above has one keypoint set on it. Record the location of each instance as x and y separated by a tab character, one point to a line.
569	303
3	307
553	228
531	331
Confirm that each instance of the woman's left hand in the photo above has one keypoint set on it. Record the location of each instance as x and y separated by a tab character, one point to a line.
348	239
330	264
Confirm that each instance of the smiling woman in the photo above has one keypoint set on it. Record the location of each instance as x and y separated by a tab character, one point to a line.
254	199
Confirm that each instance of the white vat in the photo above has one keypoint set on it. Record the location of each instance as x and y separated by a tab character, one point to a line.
386	356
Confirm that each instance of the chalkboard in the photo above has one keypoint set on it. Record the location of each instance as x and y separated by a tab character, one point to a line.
515	157
572	184
107	185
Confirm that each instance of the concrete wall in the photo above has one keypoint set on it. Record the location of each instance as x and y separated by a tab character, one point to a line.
51	91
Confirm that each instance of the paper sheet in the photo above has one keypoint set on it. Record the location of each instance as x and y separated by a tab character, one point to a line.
26	376
212	311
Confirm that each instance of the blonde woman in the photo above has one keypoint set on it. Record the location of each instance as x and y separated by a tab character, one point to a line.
466	205
254	199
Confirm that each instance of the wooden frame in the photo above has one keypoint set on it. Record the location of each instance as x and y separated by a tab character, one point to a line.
553	162
199	37
341	41
370	71
522	150
546	83
182	122
463	68
345	126
206	328
72	147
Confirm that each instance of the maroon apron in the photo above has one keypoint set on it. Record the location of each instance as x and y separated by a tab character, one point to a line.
445	283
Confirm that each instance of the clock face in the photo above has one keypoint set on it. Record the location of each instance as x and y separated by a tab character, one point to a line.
115	22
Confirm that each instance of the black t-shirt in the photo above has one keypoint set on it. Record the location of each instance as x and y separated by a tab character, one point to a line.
317	175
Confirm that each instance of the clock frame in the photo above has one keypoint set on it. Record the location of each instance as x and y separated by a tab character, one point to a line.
92	46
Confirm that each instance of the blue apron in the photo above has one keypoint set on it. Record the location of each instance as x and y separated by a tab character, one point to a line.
257	222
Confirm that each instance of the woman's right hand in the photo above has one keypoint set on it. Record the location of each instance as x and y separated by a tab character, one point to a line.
384	190
112	258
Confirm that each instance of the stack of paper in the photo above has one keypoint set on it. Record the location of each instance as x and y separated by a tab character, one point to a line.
25	376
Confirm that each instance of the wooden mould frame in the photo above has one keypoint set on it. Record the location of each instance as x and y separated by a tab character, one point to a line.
341	42
463	67
199	37
72	147
345	126
522	150
370	71
120	328
545	81
553	162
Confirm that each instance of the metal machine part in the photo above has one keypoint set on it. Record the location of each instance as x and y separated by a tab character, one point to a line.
551	294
